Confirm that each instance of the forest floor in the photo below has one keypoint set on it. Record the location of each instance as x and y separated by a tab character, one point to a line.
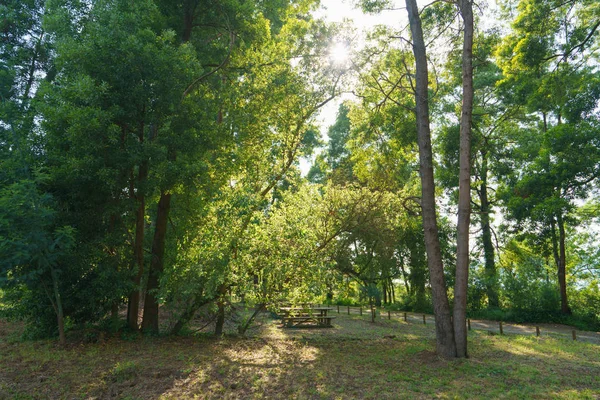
387	359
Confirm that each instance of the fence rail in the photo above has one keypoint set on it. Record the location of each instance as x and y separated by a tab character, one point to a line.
498	327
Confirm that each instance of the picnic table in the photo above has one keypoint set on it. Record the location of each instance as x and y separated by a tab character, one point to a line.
304	316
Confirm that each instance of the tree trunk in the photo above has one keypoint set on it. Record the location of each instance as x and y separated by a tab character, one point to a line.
243	328
184	318
385	292
32	71
562	267
554	243
60	315
445	346
138	246
150	318
372	309
491	276
221	310
464	185
138	254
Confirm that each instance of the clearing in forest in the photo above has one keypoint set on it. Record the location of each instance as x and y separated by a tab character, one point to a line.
354	359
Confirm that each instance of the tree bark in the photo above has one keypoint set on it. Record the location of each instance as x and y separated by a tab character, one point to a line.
562	267
150	317
138	254
384	291
491	276
138	248
221	310
243	328
445	345
554	242
464	185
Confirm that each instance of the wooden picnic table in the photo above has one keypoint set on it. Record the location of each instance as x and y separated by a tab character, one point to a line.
297	316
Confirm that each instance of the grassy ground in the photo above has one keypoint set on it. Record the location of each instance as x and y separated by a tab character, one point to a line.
354	359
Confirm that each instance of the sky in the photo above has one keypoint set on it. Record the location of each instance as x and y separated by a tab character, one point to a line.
339	11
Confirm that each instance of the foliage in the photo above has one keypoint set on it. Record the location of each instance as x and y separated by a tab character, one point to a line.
35	253
154	146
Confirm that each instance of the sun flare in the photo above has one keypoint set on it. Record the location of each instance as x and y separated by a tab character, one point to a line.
339	53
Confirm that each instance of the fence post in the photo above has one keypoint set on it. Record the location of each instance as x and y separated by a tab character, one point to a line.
338	307
537	331
361	310
348	310
574	334
501	330
424	322
389	315
469	323
405	317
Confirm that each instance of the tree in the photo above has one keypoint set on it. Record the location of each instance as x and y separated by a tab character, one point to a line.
34	250
544	61
445	342
25	59
464	187
272	122
448	345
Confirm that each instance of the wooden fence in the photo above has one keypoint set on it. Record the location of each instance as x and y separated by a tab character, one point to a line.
491	326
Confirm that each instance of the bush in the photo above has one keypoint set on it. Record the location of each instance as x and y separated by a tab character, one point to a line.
346	302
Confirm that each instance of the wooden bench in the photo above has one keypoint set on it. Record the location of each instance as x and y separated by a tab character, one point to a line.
298	320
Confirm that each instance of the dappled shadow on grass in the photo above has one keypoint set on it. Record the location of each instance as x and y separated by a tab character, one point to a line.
110	369
354	359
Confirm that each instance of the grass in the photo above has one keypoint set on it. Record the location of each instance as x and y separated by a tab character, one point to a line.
354	359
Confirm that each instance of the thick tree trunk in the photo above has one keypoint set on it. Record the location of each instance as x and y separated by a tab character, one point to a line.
562	267
221	310
464	185
444	331
150	318
491	276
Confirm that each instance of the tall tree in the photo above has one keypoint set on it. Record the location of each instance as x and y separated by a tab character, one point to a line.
119	96
545	63
273	123
493	122
445	342
464	186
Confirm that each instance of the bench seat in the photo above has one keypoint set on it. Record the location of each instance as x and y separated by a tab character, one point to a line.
320	320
